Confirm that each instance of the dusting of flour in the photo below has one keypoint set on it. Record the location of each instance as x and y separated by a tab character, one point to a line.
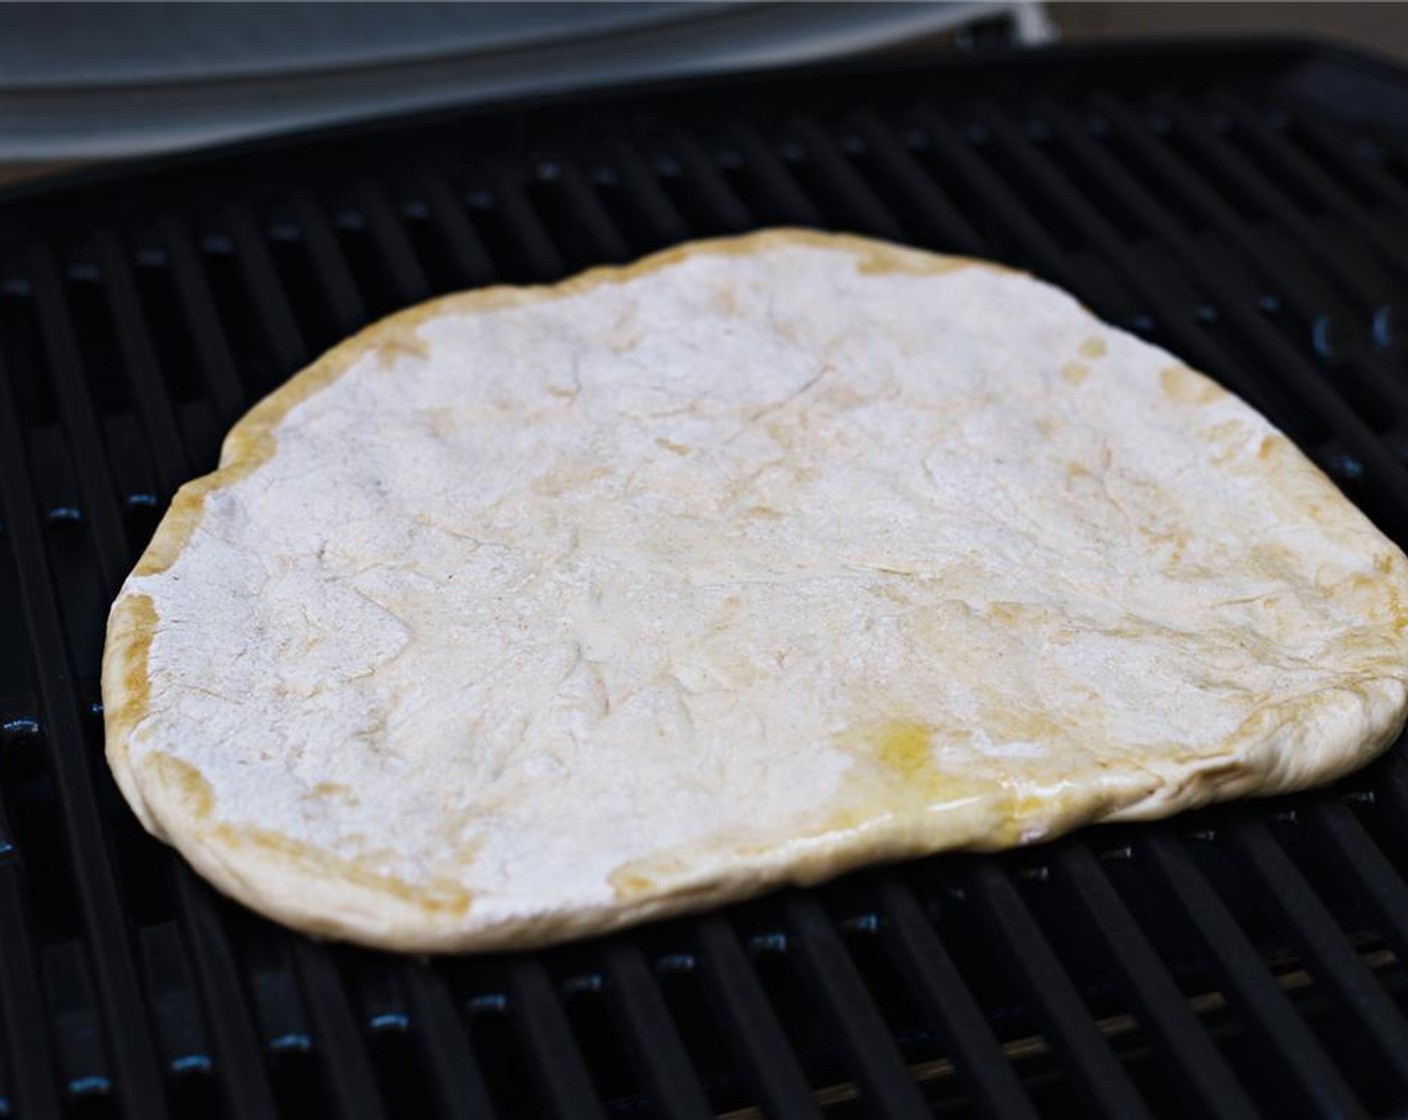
754	565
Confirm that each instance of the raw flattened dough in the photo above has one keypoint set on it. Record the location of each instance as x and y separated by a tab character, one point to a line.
530	613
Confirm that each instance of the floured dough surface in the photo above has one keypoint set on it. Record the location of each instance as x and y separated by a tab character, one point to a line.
529	613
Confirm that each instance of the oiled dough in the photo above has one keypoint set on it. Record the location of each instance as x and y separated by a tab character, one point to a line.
529	613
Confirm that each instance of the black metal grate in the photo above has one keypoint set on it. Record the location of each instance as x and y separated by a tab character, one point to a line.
1246	207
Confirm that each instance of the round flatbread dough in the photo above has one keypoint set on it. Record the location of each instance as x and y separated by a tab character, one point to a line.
533	612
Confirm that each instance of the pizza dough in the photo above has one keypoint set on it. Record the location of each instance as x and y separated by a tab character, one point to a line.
530	613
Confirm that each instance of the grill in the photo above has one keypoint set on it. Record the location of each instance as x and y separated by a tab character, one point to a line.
1245	206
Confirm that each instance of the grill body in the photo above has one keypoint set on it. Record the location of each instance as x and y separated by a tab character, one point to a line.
1245	206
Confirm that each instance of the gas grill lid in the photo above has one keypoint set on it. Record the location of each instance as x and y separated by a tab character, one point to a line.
98	81
1220	201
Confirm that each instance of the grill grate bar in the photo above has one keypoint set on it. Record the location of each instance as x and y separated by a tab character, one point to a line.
349	310
1250	985
650	200
1296	167
128	1030
1394	790
863	209
1328	954
875	1061
392	245
442	1037
1153	289
588	216
268	964
80	424
1194	1063
1307	294
948	1004
1313	391
207	331
543	261
937	220
652	205
655	1044
265	290
1289	361
8	852
1309	384
6	1092
1037	246
1070	1030
1371	316
707	185
1370	178
346	1066
761	1049
237	1057
774	181
1364	863
468	255
437	1031
139	362
347	1071
31	1059
172	1001
559	1074
84	1062
350	1082
1234	164
1318	257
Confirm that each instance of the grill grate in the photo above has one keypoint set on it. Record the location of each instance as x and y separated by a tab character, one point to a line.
1242	960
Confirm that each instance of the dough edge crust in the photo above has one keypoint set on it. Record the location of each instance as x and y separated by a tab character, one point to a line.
326	896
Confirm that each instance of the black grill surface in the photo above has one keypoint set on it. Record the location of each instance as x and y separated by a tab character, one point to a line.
1245	206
